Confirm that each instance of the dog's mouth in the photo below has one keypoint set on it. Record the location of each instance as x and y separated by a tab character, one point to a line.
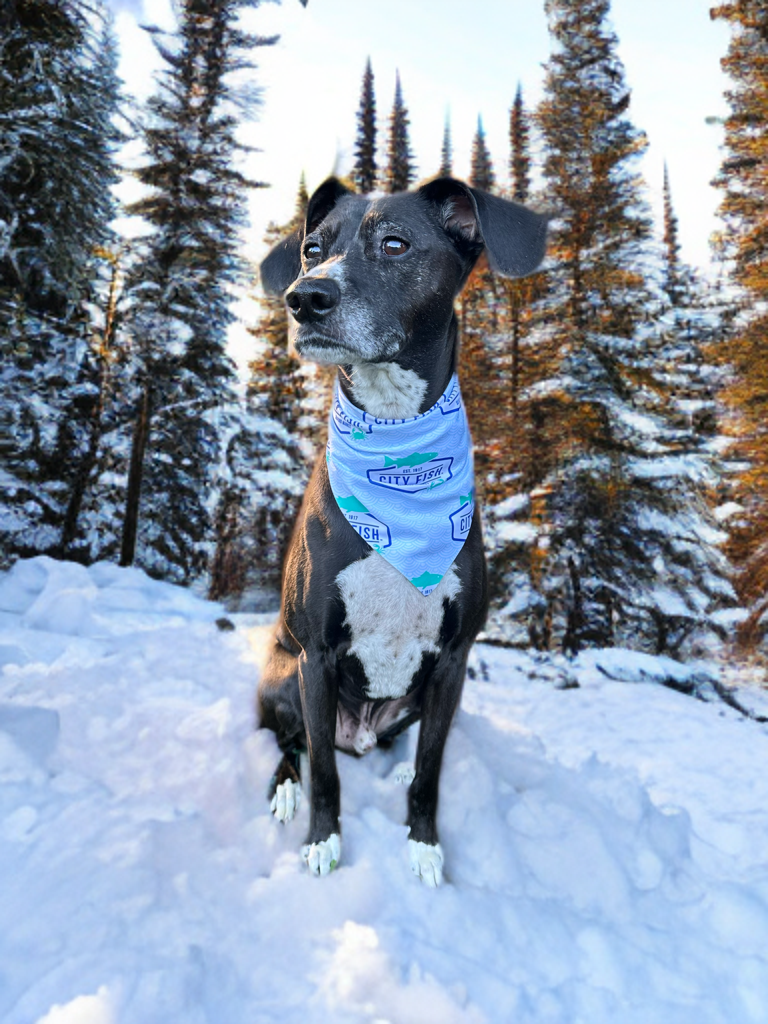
322	347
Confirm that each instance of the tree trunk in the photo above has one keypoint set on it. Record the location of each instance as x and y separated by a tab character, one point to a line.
69	529
135	476
84	470
574	613
515	357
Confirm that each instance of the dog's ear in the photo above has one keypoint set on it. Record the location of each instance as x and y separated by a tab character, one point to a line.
282	264
322	201
513	236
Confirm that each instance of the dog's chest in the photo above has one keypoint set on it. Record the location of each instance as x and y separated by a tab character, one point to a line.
392	624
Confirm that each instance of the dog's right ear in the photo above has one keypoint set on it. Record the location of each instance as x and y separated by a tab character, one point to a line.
282	265
322	201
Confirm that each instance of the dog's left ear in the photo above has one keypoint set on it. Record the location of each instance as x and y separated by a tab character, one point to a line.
514	237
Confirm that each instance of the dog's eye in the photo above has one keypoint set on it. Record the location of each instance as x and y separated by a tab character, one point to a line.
311	250
394	246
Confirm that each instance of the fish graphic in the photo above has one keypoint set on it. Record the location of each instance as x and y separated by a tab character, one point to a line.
416	459
427	579
352	504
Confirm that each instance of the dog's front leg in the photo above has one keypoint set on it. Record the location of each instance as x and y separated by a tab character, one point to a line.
319	686
442	693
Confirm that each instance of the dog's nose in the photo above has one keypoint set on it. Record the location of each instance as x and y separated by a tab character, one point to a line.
312	298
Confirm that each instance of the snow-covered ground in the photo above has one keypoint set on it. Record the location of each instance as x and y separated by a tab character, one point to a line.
606	844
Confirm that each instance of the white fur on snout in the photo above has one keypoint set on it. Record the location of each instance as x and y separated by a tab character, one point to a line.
365	740
285	802
321	858
426	862
387	390
334	267
404	773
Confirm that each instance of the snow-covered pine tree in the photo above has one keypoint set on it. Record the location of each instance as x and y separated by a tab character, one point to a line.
270	445
520	294
90	529
628	554
525	357
479	318
277	387
259	484
58	98
743	244
179	286
364	172
399	172
690	327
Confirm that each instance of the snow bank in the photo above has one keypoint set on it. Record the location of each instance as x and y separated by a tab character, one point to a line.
605	841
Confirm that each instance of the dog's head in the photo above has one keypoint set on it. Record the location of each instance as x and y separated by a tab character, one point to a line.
367	277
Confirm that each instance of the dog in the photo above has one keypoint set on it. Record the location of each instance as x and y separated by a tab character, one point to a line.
360	653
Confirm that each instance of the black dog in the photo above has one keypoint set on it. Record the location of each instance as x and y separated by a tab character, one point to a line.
359	653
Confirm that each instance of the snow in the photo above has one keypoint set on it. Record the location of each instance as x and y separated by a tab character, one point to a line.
514	505
604	836
515	533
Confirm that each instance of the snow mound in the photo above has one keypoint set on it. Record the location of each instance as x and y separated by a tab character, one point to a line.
604	843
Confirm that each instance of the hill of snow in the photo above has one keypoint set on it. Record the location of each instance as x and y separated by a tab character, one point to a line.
606	841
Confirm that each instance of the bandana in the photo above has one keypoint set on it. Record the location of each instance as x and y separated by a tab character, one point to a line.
406	486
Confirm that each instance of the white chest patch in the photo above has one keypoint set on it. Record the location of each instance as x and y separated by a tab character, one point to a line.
387	390
391	622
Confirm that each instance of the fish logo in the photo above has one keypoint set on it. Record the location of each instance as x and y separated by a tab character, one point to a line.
371	529
427	582
461	519
419	471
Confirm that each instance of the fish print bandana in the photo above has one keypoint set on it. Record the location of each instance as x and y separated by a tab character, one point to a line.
407	485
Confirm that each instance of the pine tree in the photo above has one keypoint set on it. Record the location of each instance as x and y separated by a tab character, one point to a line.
523	357
628	552
519	148
276	388
267	455
480	341
743	241
481	174
58	98
259	484
690	327
446	153
671	244
178	288
399	173
364	171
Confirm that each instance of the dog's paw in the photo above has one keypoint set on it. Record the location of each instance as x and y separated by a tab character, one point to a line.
321	858
404	773
426	862
285	802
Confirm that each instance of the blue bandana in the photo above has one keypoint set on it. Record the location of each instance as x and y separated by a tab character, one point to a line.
406	486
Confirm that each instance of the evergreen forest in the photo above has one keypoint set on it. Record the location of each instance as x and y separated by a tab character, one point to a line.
616	396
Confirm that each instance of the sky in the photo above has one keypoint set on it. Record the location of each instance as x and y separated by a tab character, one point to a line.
461	60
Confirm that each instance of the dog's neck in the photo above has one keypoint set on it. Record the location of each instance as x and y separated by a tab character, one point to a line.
408	385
